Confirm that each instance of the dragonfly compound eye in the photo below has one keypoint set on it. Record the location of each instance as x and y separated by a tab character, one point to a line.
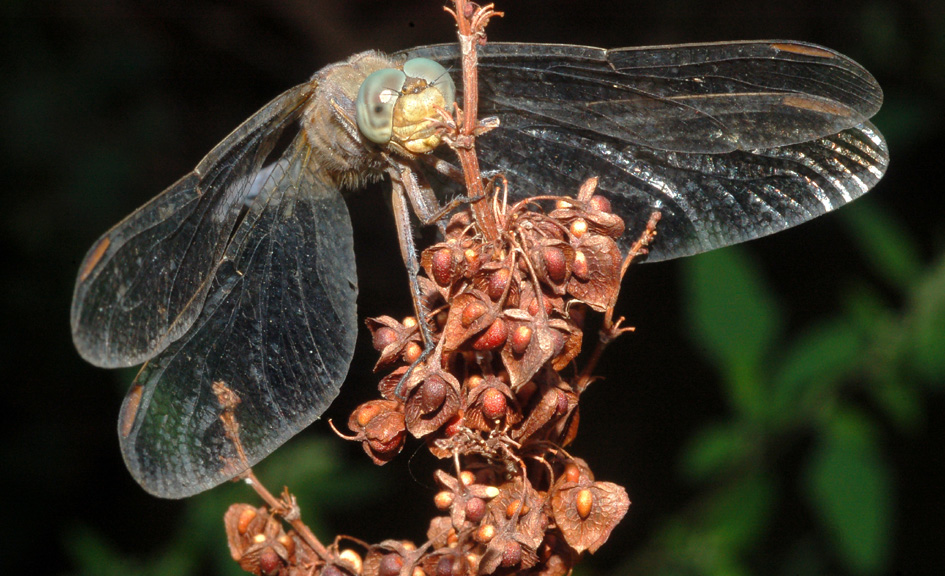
375	106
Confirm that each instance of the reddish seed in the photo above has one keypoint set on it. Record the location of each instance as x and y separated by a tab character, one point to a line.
269	562
485	533
583	503
390	565
512	555
494	336
409	322
600	203
382	337
471	313
442	265
411	352
498	281
562	406
572	473
472	260
494	404
467	478
521	338
475	509
579	267
246	516
555	264
443	500
515	507
444	566
452	426
432	394
366	413
288	543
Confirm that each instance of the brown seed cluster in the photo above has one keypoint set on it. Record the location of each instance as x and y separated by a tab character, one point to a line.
497	395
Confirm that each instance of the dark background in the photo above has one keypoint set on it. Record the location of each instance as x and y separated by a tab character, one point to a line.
106	103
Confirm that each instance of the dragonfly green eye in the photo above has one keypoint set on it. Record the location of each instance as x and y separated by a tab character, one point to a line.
381	93
375	106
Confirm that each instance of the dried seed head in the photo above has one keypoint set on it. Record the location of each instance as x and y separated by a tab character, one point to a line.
443	500
494	336
475	509
583	503
494	404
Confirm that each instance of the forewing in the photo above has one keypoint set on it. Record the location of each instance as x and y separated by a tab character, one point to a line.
728	141
269	351
143	283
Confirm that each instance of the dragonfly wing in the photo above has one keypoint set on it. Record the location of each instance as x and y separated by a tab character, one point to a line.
728	141
271	346
143	283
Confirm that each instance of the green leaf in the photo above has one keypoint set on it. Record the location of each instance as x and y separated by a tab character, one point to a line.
716	450
735	318
927	321
813	365
848	483
886	246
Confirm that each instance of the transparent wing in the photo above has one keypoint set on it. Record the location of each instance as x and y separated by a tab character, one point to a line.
143	283
277	333
728	141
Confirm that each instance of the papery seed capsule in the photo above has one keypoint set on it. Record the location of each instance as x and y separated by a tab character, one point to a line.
467	478
579	227
572	473
583	503
555	263
579	267
471	313
485	533
432	393
443	500
493	337
442	266
494	404
475	509
412	351
390	565
600	203
521	338
498	281
352	558
382	337
512	555
246	516
269	562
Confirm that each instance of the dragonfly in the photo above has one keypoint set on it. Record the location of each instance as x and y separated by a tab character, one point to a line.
242	273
